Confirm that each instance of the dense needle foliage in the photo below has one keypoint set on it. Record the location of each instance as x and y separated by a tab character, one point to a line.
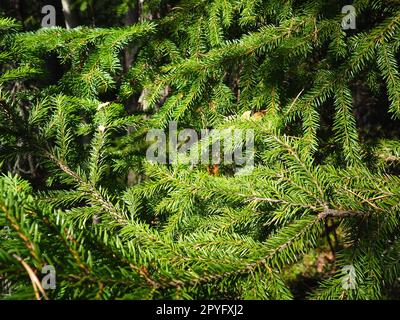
77	192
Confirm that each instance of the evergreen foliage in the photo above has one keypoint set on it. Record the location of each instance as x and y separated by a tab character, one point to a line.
77	191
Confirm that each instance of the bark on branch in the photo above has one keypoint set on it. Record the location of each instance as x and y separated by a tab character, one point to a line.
332	213
71	20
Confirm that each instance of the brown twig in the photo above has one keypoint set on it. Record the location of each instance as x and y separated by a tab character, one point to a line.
332	213
37	286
